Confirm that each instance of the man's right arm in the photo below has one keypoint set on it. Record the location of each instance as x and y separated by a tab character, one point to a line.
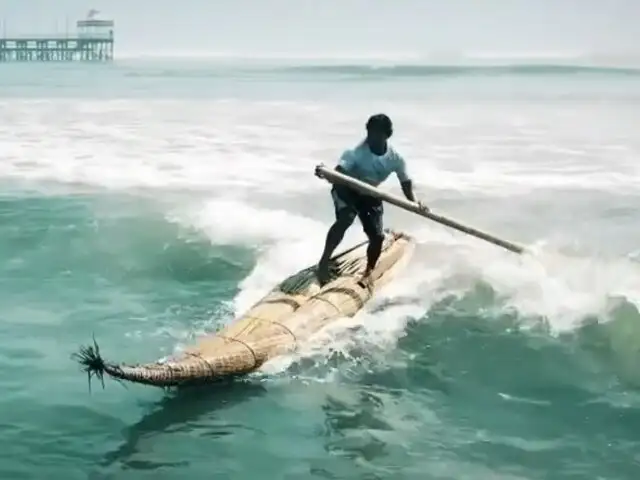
345	166
339	168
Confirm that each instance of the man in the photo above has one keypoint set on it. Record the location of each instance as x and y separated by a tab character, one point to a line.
372	161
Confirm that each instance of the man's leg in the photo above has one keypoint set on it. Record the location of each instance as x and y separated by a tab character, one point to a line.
372	224
344	218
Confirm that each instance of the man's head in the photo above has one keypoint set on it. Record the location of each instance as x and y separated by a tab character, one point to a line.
379	130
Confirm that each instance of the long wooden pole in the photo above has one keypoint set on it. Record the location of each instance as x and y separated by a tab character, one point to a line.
338	178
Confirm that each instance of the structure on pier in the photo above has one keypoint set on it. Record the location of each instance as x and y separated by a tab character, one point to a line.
93	42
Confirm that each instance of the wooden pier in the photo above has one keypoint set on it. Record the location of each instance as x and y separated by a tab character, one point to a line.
93	42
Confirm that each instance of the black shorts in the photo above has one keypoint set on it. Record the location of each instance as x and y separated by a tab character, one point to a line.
349	204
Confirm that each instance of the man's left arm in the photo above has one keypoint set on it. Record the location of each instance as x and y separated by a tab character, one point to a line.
407	189
405	181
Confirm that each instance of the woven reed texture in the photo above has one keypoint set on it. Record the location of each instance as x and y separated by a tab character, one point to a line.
288	315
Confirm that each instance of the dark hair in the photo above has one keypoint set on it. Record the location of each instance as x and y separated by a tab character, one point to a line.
381	121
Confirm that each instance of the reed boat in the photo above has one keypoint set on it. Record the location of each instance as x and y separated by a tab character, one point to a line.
283	319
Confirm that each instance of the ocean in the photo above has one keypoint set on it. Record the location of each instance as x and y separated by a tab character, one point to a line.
150	201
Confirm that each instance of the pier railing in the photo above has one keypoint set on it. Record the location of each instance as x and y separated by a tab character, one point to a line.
59	36
40	48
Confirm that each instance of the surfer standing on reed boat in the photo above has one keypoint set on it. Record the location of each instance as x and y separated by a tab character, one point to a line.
372	161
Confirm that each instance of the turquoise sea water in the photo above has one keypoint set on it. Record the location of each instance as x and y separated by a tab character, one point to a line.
148	202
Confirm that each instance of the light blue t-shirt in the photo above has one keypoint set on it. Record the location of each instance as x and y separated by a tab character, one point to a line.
363	164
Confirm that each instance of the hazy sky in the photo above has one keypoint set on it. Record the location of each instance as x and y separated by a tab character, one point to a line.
346	26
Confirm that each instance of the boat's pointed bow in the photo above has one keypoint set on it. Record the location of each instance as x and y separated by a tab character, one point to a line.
185	370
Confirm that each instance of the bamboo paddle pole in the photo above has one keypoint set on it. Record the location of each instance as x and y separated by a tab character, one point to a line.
338	178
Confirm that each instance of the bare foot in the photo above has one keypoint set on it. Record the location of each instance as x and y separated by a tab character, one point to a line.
366	281
322	273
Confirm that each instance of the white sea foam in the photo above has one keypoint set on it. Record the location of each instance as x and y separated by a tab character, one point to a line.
272	147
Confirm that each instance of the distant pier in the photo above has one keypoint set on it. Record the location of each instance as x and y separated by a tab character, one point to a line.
92	42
